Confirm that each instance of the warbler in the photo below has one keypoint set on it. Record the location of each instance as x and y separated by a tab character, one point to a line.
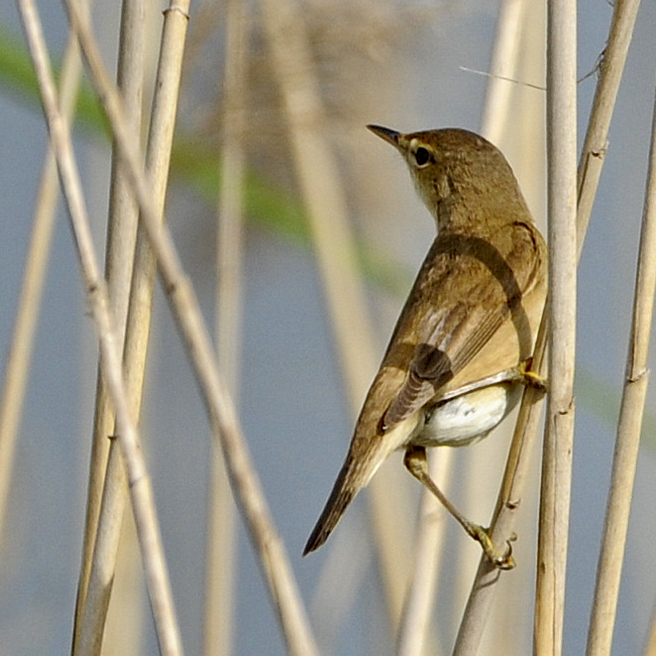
461	349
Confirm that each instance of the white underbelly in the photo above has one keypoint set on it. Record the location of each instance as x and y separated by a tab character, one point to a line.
465	418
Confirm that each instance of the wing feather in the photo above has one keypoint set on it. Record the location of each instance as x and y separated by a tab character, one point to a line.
467	288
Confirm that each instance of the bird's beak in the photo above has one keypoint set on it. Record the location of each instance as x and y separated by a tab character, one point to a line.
391	136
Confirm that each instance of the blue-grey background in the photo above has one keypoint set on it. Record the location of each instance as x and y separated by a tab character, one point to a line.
292	404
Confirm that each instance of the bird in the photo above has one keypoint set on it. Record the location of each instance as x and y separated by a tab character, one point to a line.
461	350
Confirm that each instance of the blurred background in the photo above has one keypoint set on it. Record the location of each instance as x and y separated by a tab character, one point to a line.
399	64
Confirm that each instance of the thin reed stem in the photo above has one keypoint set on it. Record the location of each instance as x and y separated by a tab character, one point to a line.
611	557
100	556
140	302
222	563
650	648
595	144
483	589
246	486
140	487
415	625
323	193
503	68
36	263
559	427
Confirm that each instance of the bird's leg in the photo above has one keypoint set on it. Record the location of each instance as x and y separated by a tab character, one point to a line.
519	374
531	378
522	373
416	464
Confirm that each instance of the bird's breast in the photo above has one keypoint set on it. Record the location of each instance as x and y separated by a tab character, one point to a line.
465	418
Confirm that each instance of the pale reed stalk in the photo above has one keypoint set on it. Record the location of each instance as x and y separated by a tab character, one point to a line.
317	171
140	487
559	425
611	557
36	263
611	67
415	626
139	315
222	562
503	69
650	649
121	237
588	174
184	303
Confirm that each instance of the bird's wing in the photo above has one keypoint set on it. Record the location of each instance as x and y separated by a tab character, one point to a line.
467	287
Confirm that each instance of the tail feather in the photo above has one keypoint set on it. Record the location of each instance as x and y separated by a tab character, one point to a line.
340	497
357	471
367	452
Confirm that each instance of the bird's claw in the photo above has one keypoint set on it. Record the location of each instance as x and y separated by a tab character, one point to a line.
503	561
532	378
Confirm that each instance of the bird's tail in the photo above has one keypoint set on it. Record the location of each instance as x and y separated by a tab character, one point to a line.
342	494
364	457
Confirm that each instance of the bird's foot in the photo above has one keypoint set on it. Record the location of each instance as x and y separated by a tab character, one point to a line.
500	560
532	378
416	464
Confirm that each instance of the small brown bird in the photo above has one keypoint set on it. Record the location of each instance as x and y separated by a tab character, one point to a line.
461	349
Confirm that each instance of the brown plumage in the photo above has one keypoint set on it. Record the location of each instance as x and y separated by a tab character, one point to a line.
458	353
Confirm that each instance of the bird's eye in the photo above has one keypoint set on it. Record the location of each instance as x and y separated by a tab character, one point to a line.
422	156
